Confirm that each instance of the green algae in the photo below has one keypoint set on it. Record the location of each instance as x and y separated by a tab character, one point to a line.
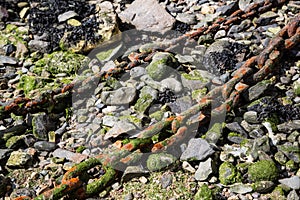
228	174
204	193
264	170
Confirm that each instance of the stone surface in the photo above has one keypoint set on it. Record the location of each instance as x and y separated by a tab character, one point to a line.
67	15
121	96
292	182
69	155
119	128
133	172
197	149
18	159
44	146
205	169
241	188
159	161
148	16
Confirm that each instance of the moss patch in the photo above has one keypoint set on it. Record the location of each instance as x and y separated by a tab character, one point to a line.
204	193
228	174
264	170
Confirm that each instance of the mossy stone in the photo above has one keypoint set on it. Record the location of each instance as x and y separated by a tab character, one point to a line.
143	103
228	173
204	193
296	87
161	66
61	62
14	141
264	170
159	161
28	83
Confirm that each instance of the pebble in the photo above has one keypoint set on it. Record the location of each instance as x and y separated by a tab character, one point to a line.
205	169
74	157
67	15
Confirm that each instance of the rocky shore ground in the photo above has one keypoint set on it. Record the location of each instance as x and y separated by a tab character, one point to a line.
173	99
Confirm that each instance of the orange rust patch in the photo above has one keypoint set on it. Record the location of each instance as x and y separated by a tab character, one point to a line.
125	160
118	144
128	147
157	147
240	87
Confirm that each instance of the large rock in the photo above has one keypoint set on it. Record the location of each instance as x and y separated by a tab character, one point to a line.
197	149
292	182
148	15
18	159
121	96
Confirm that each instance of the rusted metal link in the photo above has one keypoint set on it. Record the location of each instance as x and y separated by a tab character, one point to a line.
232	90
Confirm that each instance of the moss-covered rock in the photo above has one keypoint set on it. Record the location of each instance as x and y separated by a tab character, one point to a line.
214	133
228	174
204	193
18	159
264	170
14	142
159	161
60	62
161	66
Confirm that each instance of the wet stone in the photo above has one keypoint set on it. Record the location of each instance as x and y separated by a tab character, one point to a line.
4	154
292	182
44	146
197	149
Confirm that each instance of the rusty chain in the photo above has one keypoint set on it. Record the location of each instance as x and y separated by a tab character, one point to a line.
252	71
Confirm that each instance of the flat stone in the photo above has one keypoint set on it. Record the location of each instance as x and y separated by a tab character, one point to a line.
69	155
204	170
39	45
44	146
251	117
293	195
121	96
197	149
18	159
7	60
109	120
236	127
186	18
67	15
289	126
133	172
292	182
137	72
172	84
119	128
148	16
166	180
240	188
42	124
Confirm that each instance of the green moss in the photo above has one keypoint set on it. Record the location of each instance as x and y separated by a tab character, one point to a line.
13	141
158	115
104	54
195	75
27	83
264	170
204	193
143	103
80	149
60	62
228	174
291	165
198	94
274	121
